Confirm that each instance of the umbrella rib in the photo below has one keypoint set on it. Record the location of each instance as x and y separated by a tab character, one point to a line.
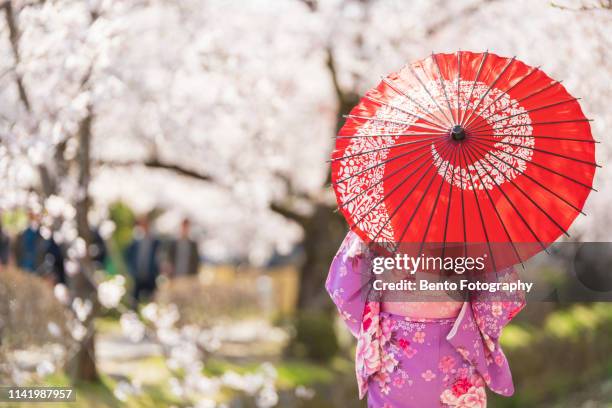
489	89
458	83
379	164
501	220
403	110
509	200
537	137
512	103
443	86
413	72
401	92
555	122
399	122
469	99
477	128
524	193
484	228
401	202
386	177
388	135
506	92
433	208
546	168
450	198
463	206
532	179
385	147
535	149
416	209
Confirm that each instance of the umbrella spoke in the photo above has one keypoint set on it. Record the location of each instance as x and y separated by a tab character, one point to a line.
381	163
535	149
512	103
389	135
403	110
484	228
489	89
386	177
443	87
398	122
450	199
550	170
401	92
469	99
458	83
506	92
534	180
395	146
413	72
528	197
554	122
537	137
501	220
433	208
390	193
416	209
477	128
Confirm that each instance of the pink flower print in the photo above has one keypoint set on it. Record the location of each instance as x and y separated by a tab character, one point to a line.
446	364
410	352
386	328
499	360
419	337
428	375
367	354
398	382
486	378
463	372
385	389
448	398
475	397
496	309
367	323
337	297
477	380
388	363
403	343
461	386
464	353
382	378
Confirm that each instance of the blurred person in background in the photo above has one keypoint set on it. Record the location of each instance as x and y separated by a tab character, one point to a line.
5	244
37	254
29	245
183	253
142	259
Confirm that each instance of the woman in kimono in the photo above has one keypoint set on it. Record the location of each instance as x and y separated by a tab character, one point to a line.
421	354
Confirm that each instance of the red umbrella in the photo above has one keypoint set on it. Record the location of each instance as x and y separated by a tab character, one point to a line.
465	148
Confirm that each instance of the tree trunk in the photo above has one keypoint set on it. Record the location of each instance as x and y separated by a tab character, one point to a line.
82	367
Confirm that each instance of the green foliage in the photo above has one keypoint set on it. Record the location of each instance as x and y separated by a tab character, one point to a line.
124	218
315	337
569	351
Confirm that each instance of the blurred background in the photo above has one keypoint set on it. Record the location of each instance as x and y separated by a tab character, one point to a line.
166	224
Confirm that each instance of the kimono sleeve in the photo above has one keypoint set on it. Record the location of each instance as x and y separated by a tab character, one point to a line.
493	311
348	281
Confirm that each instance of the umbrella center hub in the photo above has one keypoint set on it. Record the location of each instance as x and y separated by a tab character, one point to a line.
457	133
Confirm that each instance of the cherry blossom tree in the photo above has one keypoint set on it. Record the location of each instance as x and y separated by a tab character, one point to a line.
226	111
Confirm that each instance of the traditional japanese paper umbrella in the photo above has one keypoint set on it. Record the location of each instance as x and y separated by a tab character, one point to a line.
465	148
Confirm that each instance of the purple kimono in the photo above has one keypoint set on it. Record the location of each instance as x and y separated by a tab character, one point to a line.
422	363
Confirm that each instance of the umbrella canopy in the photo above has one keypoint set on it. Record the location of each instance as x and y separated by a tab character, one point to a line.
465	148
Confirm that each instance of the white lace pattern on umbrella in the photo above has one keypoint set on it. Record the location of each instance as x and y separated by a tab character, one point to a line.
497	166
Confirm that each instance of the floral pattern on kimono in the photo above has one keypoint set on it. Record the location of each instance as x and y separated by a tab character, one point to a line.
474	334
